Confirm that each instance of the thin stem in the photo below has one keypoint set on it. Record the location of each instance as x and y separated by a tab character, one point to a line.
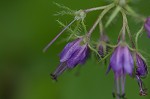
133	13
101	28
123	31
113	15
127	27
130	37
97	8
75	30
84	26
99	19
117	87
124	21
102	59
137	35
94	50
45	49
123	85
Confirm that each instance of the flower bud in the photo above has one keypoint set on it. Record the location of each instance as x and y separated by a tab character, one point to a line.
141	69
74	53
147	26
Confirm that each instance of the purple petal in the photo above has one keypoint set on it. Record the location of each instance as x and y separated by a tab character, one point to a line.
69	49
128	61
77	57
116	61
148	21
85	55
147	27
121	61
141	69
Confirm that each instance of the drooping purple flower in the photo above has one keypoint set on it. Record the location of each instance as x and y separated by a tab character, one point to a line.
121	63
147	26
141	71
74	53
103	49
141	67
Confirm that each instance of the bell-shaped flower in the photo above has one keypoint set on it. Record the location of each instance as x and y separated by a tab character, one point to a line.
74	53
141	67
121	63
141	71
102	47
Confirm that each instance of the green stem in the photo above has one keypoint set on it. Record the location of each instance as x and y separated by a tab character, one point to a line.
101	28
127	28
75	30
113	15
99	19
84	26
133	13
97	8
102	59
137	35
123	30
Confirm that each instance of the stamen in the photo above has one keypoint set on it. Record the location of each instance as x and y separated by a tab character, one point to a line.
123	77
143	92
60	69
123	96
45	49
117	84
53	77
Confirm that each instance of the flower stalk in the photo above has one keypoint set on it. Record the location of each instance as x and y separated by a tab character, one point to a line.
99	19
124	60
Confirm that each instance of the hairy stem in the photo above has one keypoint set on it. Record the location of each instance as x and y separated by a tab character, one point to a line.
97	8
137	35
99	19
49	44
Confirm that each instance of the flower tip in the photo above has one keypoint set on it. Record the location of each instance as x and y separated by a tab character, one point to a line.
143	92
114	95
109	68
120	96
54	77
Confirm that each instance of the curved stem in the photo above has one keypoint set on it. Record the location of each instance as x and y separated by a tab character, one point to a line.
137	35
127	28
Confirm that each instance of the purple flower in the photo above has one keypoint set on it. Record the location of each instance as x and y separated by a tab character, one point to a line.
141	69
147	26
74	53
102	47
121	63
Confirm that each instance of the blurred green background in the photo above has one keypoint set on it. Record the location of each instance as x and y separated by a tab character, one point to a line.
26	26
